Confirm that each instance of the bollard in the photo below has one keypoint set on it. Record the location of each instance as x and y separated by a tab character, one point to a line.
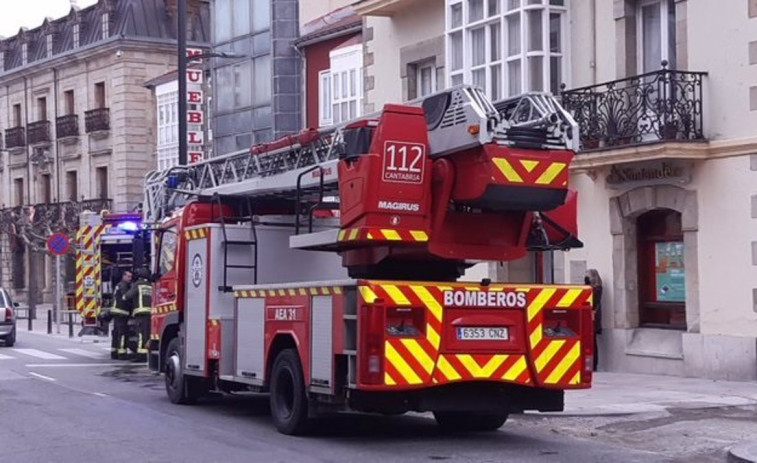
49	321
70	325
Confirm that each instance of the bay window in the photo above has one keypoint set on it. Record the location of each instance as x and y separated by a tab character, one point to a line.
507	47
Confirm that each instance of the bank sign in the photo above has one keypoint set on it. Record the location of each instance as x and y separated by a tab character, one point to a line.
649	173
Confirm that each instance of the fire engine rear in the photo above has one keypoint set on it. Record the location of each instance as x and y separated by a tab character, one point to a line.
323	268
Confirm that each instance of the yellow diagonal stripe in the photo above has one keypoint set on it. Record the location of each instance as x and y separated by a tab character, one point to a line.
432	336
576	379
569	298
529	165
549	175
536	336
548	353
337	290
391	235
353	234
370	236
426	362
292	292
341	235
507	170
419	235
481	372
388	380
368	295
539	302
396	295
516	370
447	370
399	363
429	301
564	364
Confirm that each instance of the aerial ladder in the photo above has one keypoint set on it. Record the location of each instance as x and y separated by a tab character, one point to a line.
323	267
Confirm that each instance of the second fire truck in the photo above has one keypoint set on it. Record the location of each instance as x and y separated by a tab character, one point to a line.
323	267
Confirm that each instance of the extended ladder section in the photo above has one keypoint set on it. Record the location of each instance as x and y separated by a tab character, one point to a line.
283	170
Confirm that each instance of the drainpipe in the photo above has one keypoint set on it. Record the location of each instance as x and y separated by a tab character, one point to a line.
594	42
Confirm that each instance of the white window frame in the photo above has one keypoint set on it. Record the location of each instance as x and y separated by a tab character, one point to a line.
105	25
665	34
24	54
324	98
419	78
346	82
467	28
167	122
76	35
49	46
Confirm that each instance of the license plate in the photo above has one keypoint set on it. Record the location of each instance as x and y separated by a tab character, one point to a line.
482	334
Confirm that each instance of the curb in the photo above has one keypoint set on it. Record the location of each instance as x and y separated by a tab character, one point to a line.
743	453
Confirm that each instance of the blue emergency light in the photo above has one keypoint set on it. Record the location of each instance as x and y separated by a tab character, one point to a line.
128	226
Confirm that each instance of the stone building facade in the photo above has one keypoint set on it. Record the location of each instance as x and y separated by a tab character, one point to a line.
77	122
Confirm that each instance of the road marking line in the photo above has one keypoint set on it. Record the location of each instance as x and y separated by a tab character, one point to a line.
6	357
39	354
60	365
83	353
42	376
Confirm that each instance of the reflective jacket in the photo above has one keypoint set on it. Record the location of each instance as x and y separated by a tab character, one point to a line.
141	297
121	305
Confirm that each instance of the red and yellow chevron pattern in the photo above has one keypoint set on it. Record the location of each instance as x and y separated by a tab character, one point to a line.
382	234
311	291
531	172
164	309
419	362
88	270
196	234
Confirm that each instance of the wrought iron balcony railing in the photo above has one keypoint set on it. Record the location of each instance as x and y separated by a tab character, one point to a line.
664	105
38	132
15	137
67	126
96	120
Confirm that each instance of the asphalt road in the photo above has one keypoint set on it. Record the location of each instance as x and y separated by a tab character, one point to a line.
66	402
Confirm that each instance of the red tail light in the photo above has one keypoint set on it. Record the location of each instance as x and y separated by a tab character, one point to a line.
372	345
8	314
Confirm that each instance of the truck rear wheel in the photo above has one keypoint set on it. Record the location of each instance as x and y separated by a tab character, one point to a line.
181	389
470	421
289	403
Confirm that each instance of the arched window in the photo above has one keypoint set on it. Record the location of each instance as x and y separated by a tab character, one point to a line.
662	273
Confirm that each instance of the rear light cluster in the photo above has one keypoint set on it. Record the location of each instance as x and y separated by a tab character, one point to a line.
8	314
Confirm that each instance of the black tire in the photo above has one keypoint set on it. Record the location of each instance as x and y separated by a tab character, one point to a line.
181	389
289	403
470	421
10	339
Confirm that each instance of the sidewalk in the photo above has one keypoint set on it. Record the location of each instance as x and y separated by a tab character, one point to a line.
40	326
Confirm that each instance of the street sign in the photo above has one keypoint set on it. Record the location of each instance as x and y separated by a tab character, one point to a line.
58	244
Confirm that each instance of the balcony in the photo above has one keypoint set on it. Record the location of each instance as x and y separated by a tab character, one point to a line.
657	107
97	120
381	7
67	126
34	223
15	138
38	133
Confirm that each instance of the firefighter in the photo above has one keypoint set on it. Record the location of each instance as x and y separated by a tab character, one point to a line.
120	311
140	296
592	279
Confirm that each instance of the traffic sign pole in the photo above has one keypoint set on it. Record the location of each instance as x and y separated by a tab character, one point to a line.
57	293
58	245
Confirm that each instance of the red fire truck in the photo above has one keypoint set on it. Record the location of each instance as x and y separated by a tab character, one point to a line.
323	268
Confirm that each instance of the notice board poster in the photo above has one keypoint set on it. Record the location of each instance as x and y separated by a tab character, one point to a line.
670	274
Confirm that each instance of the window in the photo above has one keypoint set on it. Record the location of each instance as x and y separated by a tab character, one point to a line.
236	18
49	45
72	185
167	251
662	271
346	83
100	95
101	176
168	129
507	52
17	121
42	109
18	186
75	34
656	34
426	80
46	195
105	26
69	102
324	98
24	53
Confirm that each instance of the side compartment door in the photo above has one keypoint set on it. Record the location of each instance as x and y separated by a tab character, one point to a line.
195	301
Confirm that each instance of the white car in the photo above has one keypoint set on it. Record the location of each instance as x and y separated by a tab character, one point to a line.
7	319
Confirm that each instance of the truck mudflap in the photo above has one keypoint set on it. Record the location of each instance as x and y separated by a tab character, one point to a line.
537	336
